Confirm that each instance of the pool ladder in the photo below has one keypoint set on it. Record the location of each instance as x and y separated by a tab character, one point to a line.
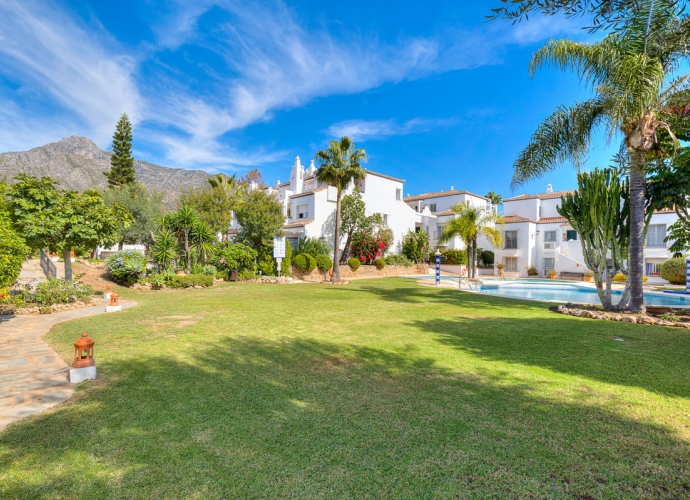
477	281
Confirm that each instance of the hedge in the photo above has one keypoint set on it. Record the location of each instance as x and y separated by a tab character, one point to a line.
673	270
190	280
323	262
305	262
379	263
354	263
13	251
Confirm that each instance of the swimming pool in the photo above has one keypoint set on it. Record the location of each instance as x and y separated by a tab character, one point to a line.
548	290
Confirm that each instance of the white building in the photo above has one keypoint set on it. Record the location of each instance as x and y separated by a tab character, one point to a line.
535	234
309	206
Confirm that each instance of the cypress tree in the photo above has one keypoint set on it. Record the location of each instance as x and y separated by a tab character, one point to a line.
121	159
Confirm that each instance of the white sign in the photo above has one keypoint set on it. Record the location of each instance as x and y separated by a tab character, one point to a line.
279	247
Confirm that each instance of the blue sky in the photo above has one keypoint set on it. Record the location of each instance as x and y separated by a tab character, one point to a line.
435	95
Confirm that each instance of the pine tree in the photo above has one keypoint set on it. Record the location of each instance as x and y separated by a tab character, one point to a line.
121	159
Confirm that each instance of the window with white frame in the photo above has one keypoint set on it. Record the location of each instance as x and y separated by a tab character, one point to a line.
439	230
549	236
511	264
510	241
655	235
398	194
432	207
302	211
549	263
652	268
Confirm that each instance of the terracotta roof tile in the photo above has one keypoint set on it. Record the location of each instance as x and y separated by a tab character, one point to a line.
440	194
445	212
307	193
545	220
539	196
300	223
515	218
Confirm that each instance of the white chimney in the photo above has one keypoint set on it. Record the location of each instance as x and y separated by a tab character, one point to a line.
549	188
278	182
452	188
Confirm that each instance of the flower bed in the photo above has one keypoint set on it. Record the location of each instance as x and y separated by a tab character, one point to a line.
363	271
55	295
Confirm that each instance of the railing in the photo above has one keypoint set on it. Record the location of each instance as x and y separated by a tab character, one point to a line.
47	265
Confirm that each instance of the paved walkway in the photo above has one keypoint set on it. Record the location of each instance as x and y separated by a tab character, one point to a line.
33	377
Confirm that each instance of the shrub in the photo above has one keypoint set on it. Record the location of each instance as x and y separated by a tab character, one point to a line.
398	259
415	246
267	266
379	263
367	247
57	291
301	262
532	271
454	257
312	246
673	270
552	272
190	280
311	263
323	262
13	251
354	263
246	275
588	273
621	278
5	296
500	265
209	270
126	267
237	256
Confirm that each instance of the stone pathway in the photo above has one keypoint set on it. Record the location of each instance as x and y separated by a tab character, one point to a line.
33	377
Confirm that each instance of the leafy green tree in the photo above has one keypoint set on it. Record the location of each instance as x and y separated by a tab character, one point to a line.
415	246
63	220
260	218
146	207
121	159
13	250
469	222
600	213
339	165
215	204
352	219
632	73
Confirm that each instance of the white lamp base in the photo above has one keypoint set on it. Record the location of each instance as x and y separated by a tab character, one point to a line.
112	309
77	375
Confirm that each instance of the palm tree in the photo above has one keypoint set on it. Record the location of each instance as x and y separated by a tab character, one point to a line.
469	222
494	198
202	238
230	192
633	75
339	165
182	222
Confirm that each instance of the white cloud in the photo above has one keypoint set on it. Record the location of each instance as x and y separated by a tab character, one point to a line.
380	129
42	47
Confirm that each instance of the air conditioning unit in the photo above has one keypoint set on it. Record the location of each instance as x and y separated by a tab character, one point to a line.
549	245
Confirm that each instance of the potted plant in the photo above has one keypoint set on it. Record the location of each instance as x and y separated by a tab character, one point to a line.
500	268
552	274
588	275
532	271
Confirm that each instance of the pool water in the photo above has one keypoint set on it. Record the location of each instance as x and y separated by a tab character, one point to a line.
565	292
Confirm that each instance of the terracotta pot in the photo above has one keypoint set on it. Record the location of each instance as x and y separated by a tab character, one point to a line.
588	278
552	276
500	272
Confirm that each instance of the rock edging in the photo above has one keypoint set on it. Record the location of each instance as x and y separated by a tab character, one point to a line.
608	316
53	308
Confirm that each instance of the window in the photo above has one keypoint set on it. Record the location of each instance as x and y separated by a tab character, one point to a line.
549	263
293	242
549	235
655	235
288	210
570	235
302	212
432	207
398	194
652	268
510	240
511	264
439	230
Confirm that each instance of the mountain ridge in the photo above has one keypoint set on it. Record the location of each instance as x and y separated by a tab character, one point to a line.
77	163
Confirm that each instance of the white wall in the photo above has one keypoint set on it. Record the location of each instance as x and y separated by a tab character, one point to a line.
522	208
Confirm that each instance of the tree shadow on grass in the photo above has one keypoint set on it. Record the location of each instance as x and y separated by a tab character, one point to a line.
251	418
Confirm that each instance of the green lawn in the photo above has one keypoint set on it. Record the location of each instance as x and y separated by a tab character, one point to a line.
379	389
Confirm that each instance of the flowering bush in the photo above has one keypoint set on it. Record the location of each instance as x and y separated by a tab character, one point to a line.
127	266
367	247
454	257
57	291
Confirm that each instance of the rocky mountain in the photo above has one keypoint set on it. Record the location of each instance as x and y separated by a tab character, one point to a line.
77	163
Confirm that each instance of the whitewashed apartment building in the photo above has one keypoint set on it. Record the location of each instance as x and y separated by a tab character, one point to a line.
535	234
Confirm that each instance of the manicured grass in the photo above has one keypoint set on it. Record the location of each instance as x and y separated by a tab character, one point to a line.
379	389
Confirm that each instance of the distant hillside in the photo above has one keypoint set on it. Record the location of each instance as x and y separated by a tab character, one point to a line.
77	163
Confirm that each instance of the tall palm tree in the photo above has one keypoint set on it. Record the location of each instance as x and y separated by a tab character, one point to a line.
494	198
634	75
182	222
469	222
230	191
339	165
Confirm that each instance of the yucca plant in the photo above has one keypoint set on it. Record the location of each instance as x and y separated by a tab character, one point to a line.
634	75
164	250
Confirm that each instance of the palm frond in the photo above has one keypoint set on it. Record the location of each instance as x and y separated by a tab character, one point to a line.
563	136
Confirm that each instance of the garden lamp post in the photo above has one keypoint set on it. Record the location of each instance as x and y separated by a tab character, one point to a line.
438	266
323	251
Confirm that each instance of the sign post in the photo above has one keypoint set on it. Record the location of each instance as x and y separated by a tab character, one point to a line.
278	251
687	275
438	267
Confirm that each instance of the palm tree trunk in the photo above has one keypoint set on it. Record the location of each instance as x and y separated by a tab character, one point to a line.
336	243
186	249
66	255
474	258
637	217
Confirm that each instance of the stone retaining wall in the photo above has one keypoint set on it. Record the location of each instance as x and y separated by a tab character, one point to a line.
53	308
362	272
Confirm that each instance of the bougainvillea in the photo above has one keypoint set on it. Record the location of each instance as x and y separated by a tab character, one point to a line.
367	247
